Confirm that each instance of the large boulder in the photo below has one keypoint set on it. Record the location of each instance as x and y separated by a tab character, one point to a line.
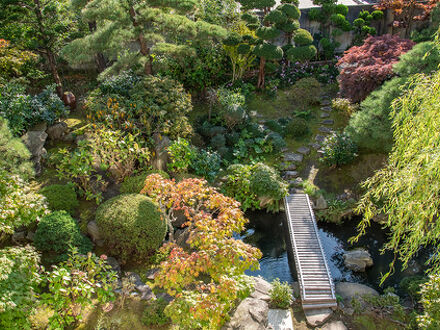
93	231
251	314
321	203
348	290
357	260
34	141
161	156
261	289
59	132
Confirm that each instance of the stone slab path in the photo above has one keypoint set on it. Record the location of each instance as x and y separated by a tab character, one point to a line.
280	319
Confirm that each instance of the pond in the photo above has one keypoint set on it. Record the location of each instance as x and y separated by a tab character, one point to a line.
266	231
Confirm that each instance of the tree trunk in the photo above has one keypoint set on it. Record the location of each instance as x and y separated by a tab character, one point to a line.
49	53
145	50
54	71
99	57
261	73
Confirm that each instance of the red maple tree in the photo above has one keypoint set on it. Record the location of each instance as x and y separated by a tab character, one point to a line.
364	68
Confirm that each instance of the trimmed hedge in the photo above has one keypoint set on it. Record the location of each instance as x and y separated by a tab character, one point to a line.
131	225
61	197
134	184
57	233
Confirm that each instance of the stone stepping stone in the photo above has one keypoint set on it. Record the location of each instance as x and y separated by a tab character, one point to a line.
328	122
290	174
326	102
315	145
290	167
324	129
324	115
293	157
280	319
320	138
303	150
296	182
328	109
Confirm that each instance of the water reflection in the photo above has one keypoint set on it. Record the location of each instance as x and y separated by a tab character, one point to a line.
266	231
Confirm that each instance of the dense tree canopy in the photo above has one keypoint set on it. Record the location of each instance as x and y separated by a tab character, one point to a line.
130	32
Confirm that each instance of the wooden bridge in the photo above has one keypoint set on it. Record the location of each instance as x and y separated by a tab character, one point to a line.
315	281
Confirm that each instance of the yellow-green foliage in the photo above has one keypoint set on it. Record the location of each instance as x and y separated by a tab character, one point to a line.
131	225
407	189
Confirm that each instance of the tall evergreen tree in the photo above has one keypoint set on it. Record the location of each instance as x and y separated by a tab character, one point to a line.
269	26
43	24
131	32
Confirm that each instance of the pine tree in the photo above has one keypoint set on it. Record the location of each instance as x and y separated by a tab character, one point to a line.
130	33
282	19
44	26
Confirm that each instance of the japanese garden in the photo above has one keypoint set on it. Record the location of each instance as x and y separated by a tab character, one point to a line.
219	164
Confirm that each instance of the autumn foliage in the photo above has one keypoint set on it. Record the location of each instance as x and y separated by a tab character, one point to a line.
407	11
207	278
364	68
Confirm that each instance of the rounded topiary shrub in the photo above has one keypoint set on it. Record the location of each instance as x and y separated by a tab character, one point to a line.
297	127
131	225
57	233
61	197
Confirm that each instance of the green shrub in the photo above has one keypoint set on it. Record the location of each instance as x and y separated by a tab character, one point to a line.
154	314
232	108
57	233
24	111
15	157
268	186
370	127
280	294
61	197
131	225
19	205
338	149
422	58
149	105
344	106
119	153
206	164
134	184
305	92
255	186
275	126
430	292
412	285
297	127
78	167
181	154
20	277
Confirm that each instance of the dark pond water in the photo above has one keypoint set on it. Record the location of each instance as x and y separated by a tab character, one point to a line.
266	231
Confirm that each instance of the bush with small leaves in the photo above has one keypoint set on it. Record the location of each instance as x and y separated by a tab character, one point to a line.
338	149
15	157
181	154
20	275
61	197
20	206
149	105
206	164
154	314
297	127
344	106
23	111
280	294
81	282
430	319
412	285
131	225
57	233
